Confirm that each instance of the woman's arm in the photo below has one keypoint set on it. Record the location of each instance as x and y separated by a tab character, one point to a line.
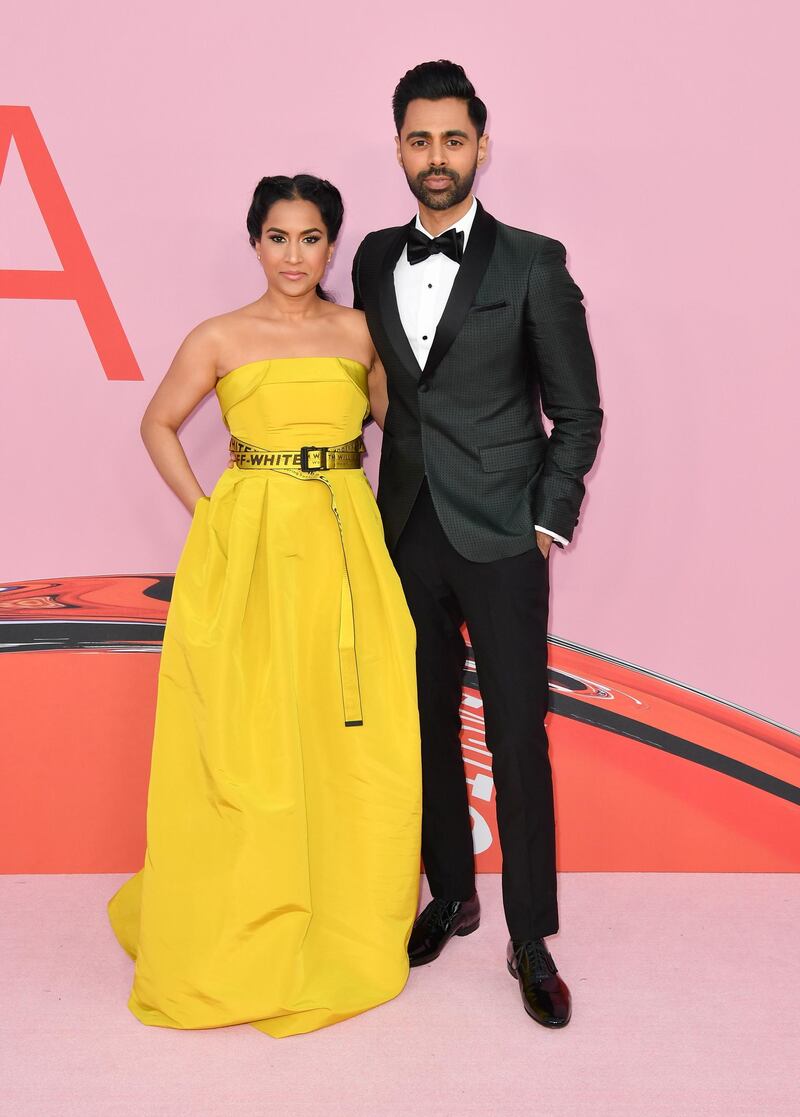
378	391
190	377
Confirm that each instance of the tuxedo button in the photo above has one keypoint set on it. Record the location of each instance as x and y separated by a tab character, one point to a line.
424	386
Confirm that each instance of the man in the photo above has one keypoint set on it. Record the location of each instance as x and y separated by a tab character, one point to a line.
479	328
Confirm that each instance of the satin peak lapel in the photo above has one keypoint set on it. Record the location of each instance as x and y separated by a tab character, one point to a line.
476	259
390	313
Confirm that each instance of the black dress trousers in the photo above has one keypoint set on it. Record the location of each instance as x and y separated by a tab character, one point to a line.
505	606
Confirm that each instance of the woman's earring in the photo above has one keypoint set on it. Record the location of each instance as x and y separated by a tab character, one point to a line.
258	255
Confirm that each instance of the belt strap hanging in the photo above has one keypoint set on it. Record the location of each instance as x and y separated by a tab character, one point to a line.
307	464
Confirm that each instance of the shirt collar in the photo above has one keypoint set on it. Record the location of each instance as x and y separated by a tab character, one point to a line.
463	225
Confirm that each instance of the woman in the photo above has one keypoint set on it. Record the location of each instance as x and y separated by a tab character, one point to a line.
282	866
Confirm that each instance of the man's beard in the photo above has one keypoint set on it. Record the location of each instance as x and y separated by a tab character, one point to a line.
441	199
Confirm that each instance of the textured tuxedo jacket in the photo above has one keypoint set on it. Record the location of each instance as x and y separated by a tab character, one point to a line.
512	341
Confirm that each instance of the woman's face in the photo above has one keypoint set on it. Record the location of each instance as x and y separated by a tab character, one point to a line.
294	249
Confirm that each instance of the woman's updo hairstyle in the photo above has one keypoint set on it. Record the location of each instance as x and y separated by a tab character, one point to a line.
283	188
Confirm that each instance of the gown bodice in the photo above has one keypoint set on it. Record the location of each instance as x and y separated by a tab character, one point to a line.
288	402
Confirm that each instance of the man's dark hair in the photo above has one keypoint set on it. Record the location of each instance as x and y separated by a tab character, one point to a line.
433	81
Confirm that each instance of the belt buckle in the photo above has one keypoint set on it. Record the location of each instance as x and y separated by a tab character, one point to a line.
323	458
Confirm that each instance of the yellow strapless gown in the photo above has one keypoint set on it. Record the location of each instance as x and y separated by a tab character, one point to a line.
282	866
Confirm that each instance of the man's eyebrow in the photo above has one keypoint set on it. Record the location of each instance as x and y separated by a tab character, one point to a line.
419	135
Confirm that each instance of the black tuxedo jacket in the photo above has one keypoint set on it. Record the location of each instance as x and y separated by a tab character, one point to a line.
512	341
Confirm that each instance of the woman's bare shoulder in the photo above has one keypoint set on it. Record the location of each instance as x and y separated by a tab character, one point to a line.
230	321
211	341
352	320
352	328
221	329
346	312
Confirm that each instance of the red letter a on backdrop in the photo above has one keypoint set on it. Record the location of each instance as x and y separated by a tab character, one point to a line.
80	280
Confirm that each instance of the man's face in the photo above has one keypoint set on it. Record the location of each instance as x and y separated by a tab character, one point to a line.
439	150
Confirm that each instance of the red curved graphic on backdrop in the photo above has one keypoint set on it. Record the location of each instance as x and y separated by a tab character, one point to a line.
80	279
649	775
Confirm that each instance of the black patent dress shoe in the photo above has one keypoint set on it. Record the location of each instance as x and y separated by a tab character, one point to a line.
545	996
436	925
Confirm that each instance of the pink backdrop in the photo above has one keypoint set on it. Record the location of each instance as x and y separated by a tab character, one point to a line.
656	143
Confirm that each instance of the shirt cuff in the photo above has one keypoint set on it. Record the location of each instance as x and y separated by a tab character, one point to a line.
558	538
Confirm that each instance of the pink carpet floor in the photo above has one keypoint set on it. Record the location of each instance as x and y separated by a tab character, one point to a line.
686	991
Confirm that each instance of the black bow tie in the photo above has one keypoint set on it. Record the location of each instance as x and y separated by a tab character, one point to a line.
420	246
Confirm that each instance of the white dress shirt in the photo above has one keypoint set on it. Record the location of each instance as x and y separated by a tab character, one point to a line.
422	292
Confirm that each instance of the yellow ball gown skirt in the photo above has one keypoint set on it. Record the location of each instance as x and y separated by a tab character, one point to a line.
283	837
